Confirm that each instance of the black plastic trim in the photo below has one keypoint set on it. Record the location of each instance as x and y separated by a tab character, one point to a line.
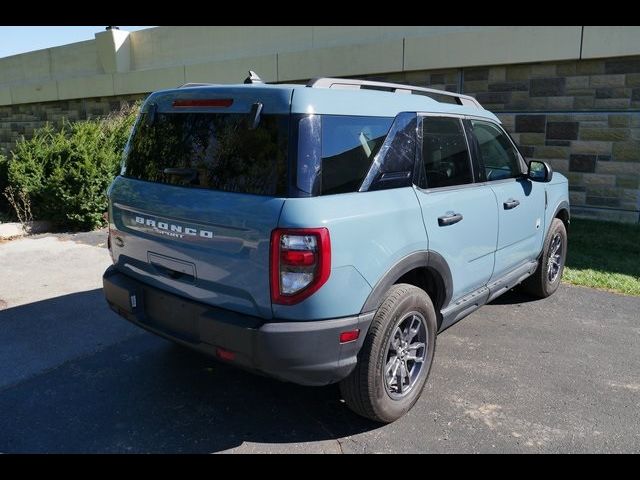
474	151
472	301
303	352
563	205
440	265
511	279
422	259
406	264
463	307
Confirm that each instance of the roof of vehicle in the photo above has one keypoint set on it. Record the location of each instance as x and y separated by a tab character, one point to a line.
303	99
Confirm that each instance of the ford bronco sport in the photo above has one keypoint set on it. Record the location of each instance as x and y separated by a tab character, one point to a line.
326	232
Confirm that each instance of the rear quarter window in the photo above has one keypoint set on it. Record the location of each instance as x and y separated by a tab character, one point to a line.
349	144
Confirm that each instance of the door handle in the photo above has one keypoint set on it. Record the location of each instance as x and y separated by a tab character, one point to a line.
511	203
449	219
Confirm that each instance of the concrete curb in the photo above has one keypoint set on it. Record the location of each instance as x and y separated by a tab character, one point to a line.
15	229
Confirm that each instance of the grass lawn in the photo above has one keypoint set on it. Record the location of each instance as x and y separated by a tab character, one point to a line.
604	255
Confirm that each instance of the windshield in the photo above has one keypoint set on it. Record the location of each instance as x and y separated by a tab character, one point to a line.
218	151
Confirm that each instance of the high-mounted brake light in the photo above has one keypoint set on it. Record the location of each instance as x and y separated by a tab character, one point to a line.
300	263
203	102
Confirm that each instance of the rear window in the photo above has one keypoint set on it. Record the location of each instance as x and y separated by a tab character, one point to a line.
211	150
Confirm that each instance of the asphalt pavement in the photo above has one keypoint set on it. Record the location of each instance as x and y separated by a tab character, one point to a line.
518	375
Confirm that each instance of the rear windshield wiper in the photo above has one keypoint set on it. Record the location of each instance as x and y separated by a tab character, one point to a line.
152	113
254	115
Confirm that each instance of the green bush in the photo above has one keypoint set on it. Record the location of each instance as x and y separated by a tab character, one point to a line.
66	172
4	205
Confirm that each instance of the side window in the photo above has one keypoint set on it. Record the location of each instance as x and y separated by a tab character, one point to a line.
499	155
445	157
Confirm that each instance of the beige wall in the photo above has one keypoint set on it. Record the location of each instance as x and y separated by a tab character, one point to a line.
164	57
601	42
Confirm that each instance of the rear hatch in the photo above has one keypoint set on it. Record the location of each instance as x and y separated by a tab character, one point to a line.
202	188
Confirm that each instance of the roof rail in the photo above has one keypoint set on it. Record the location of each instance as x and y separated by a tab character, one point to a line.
186	85
349	83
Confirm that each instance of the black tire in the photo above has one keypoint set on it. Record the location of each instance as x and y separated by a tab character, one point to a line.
539	284
365	391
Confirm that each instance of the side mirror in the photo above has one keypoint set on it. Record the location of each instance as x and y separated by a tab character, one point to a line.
539	171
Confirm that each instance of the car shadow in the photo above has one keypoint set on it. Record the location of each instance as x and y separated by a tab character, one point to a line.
134	392
513	297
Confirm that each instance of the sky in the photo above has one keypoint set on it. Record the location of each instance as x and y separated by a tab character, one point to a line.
14	40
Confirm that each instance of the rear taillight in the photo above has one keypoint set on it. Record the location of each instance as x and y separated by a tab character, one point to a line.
300	263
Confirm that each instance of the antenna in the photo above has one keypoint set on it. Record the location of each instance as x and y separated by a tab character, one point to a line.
253	78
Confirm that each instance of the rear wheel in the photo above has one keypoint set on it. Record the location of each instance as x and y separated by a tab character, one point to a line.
395	360
546	279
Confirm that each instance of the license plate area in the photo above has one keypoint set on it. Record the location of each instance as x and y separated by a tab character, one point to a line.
172	315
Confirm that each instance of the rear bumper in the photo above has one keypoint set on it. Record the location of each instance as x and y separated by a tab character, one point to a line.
303	352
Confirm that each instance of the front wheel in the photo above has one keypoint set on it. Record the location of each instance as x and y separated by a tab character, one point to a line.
395	360
546	279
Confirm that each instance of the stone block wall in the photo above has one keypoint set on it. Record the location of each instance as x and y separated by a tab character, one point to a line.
21	120
583	117
598	152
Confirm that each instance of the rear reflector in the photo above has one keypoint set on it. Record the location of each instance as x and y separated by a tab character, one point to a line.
203	102
225	354
349	336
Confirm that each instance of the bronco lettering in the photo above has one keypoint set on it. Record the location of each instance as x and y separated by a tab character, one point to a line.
173	230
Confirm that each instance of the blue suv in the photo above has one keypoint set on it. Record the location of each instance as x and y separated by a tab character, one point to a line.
326	232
